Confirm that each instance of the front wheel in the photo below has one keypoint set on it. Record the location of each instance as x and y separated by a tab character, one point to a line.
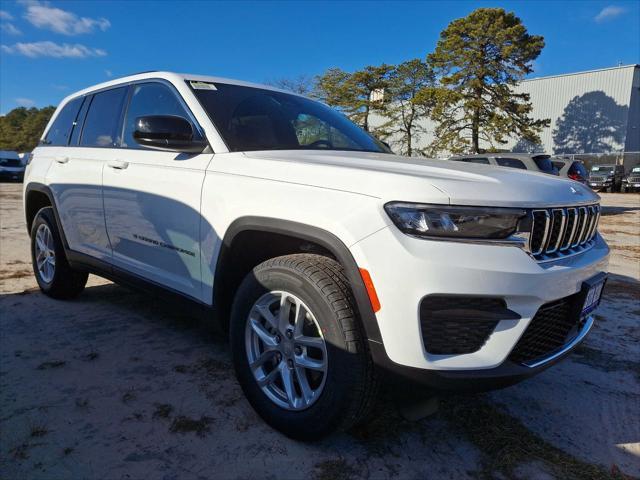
298	347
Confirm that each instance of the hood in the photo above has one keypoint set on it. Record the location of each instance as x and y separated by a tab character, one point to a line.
393	177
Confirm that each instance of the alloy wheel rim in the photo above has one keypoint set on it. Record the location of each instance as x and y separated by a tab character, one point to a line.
45	253
286	351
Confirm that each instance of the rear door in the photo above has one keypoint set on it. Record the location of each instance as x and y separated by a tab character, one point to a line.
75	175
152	198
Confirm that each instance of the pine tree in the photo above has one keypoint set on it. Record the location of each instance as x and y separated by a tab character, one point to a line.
480	58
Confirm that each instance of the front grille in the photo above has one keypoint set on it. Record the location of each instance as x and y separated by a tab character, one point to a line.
557	232
554	325
455	324
597	179
634	179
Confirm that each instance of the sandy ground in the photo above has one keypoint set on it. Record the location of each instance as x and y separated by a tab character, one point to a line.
117	384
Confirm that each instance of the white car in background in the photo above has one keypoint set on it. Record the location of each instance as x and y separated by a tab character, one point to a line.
536	162
332	262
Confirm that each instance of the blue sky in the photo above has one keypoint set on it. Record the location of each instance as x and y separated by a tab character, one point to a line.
50	49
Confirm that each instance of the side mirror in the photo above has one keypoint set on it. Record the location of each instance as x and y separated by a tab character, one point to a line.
167	132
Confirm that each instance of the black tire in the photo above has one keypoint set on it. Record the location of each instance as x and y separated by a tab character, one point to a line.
66	282
351	384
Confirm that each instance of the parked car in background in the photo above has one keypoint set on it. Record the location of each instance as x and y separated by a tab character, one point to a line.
606	177
631	181
524	161
11	166
572	169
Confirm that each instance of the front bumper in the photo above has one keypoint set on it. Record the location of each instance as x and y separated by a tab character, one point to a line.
406	269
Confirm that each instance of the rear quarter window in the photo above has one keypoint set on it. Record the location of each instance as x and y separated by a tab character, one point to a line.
60	131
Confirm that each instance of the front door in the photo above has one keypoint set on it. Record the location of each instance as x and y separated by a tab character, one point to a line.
152	199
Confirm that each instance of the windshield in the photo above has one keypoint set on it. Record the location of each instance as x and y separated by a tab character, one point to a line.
602	169
636	170
258	119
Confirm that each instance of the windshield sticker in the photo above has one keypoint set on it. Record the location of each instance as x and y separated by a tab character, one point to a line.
202	85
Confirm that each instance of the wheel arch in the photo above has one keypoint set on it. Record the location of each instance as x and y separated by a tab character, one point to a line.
229	271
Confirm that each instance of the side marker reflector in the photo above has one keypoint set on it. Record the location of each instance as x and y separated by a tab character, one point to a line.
371	290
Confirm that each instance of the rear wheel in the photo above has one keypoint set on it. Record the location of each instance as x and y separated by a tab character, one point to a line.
54	275
298	347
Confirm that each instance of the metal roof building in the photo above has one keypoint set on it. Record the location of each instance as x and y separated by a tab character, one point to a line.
591	112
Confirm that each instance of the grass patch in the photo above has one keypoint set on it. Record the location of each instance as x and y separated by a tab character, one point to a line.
506	443
38	431
128	396
338	469
163	410
51	364
183	424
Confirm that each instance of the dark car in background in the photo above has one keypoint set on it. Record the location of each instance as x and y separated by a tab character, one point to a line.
11	166
571	169
606	177
631	182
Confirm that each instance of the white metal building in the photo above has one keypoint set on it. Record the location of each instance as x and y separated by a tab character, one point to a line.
595	112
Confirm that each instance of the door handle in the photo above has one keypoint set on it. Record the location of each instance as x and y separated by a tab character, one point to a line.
118	164
62	159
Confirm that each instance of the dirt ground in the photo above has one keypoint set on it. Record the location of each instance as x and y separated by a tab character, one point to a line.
118	384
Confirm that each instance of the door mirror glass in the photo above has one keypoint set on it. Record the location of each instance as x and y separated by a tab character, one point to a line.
167	132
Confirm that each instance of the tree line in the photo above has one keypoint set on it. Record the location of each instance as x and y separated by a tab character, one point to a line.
465	87
21	128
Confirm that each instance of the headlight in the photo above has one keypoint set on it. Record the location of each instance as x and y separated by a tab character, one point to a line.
455	222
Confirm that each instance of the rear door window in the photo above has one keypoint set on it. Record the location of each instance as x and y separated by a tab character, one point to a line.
511	163
60	131
103	119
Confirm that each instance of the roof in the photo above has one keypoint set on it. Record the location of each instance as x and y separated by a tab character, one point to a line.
581	73
498	155
172	77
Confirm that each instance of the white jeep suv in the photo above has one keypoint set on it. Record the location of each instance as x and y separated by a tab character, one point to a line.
330	260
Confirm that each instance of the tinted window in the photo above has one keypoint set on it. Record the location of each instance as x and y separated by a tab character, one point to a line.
510	162
257	119
150	99
60	131
101	126
606	169
544	163
483	161
77	129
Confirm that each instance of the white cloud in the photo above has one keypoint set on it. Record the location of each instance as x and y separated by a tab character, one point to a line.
108	73
609	13
41	15
4	15
10	29
24	102
52	49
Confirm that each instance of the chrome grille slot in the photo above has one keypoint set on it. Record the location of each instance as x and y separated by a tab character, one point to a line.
582	223
539	231
570	229
558	222
559	232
